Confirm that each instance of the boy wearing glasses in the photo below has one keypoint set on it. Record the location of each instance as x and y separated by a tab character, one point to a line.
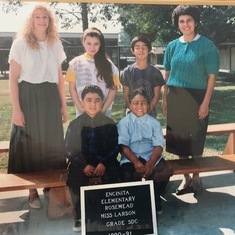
91	148
142	74
141	142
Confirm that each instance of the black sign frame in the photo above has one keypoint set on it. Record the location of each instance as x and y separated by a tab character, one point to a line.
119	209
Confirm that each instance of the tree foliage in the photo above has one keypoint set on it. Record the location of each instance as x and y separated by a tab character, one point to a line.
72	14
217	23
83	13
11	6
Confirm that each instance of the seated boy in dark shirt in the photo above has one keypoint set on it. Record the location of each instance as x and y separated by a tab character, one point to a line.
91	148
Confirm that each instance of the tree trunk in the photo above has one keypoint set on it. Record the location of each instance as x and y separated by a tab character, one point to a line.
84	16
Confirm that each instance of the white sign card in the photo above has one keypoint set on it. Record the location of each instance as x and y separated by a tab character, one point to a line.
119	209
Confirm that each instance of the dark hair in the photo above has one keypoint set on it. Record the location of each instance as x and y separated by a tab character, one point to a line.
102	64
92	89
141	38
185	10
140	91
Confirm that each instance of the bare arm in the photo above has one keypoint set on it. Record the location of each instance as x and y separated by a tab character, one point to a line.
62	96
126	91
14	74
164	95
149	166
74	96
156	97
139	166
204	108
109	99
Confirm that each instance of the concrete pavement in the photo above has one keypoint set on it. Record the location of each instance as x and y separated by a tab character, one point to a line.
210	213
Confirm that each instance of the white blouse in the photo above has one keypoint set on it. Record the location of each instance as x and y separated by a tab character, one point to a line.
40	65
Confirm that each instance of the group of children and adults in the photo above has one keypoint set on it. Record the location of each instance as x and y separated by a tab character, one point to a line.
94	145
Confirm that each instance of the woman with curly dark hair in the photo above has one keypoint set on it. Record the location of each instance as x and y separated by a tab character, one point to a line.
191	64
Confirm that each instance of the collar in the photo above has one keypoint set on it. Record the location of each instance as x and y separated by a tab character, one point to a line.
88	56
89	117
96	121
134	118
195	39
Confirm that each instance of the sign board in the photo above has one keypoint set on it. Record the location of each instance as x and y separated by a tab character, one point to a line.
119	209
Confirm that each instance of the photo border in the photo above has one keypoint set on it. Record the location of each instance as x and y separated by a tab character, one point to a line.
158	2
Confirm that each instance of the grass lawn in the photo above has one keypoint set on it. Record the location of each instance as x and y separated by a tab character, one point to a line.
222	111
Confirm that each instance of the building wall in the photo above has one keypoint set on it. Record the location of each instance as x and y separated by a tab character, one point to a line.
227	56
73	47
71	42
224	59
233	59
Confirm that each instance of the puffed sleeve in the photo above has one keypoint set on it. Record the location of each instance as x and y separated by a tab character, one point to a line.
17	50
60	52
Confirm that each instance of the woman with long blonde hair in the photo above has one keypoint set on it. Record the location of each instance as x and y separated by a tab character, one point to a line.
38	98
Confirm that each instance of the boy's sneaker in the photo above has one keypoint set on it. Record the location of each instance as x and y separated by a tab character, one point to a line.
77	226
159	209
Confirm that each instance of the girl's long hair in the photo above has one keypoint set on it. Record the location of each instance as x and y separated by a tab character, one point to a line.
28	31
102	64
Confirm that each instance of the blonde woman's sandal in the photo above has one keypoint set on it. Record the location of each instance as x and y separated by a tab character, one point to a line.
34	200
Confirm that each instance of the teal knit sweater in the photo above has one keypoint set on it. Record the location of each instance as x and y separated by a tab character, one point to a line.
190	63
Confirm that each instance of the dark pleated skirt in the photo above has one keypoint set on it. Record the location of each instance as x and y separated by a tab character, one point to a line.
39	146
186	133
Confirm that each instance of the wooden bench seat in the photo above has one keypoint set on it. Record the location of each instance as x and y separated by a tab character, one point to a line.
59	202
57	178
216	129
204	164
4	146
50	179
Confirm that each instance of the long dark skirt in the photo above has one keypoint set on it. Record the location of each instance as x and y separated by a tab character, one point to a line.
186	133
39	146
